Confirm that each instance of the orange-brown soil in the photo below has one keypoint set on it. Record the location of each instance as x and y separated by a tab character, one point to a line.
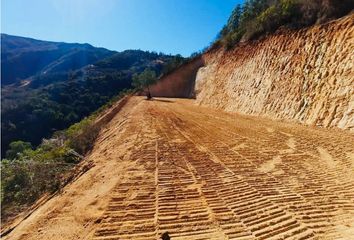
170	166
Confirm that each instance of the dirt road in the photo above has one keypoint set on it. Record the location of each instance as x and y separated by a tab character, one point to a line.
170	166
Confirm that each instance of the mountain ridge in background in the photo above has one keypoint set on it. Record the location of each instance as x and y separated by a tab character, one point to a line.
25	57
47	86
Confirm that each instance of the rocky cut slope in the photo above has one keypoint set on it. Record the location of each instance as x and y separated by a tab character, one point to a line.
305	75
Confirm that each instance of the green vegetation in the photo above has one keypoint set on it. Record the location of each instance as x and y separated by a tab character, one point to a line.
173	63
36	113
16	148
259	17
31	173
54	101
144	80
27	174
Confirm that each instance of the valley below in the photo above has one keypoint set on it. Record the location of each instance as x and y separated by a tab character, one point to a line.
171	166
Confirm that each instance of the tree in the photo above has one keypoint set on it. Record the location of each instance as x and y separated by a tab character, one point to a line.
234	20
173	63
144	80
16	148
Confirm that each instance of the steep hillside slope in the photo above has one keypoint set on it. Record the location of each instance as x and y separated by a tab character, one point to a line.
304	75
23	57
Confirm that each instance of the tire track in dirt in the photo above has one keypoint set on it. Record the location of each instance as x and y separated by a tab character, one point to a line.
198	173
212	177
131	213
281	223
215	216
317	218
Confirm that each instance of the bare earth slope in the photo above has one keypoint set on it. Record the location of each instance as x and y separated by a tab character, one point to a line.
305	76
197	173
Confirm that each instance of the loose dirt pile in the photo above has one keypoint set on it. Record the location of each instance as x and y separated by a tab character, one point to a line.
196	173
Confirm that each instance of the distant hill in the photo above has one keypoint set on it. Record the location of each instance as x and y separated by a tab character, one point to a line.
22	58
48	86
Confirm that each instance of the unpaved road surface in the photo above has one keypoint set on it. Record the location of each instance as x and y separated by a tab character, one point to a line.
170	166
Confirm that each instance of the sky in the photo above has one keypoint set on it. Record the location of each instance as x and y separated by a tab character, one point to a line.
168	26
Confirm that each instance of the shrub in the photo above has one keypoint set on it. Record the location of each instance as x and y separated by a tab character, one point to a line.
16	148
34	172
82	135
24	180
232	38
28	174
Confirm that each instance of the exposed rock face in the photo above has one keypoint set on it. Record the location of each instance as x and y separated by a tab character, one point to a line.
180	82
304	75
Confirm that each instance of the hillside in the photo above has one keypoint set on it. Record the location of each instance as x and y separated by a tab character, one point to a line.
22	58
61	89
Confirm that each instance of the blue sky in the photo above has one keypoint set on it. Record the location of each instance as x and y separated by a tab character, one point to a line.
169	26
